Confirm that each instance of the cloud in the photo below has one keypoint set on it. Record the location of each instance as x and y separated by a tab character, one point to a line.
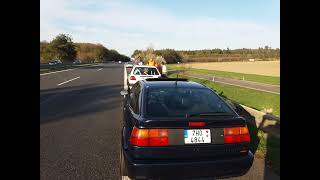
125	27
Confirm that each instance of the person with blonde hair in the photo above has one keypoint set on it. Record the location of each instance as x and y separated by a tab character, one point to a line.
152	62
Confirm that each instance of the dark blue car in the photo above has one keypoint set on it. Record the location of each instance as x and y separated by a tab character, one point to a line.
173	128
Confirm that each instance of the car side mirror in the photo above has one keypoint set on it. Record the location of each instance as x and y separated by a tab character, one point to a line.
124	92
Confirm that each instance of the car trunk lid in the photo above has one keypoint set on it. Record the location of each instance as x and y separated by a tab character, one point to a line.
180	147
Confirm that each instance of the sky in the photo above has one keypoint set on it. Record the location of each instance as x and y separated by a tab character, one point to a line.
127	25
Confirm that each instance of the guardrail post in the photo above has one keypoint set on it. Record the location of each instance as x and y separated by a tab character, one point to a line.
213	78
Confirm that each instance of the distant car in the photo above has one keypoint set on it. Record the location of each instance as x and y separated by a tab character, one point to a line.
142	72
176	129
119	62
78	61
55	62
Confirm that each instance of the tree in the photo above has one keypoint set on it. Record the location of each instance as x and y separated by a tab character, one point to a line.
101	53
135	53
150	53
63	48
170	55
45	55
228	51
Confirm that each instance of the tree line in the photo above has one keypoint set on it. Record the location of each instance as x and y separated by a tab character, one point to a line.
170	55
214	55
62	48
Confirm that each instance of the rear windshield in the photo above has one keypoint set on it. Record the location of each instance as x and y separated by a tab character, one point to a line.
145	71
177	102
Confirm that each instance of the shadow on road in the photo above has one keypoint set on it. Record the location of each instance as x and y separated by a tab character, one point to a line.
272	157
62	103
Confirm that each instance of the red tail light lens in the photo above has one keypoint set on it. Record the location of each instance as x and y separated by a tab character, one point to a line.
139	136
236	135
132	78
149	137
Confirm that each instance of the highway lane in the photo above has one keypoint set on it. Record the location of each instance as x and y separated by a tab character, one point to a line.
80	123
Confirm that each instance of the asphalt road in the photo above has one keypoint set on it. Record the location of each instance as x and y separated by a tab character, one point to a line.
80	116
80	123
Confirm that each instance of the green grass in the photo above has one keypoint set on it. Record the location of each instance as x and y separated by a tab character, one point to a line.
249	77
256	99
269	149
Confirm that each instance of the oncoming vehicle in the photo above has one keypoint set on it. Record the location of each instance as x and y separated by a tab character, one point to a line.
142	72
173	128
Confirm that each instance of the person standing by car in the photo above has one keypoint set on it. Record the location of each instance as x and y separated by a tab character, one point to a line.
159	67
164	70
151	62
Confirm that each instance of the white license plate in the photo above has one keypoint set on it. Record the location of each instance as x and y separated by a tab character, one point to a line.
197	136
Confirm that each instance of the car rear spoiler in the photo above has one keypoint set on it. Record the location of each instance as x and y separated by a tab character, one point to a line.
167	79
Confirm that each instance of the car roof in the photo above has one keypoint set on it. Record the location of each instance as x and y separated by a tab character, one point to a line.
166	83
144	66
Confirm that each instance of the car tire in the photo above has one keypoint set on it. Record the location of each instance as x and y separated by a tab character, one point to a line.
123	169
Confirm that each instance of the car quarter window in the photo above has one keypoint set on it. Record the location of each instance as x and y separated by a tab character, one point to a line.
134	98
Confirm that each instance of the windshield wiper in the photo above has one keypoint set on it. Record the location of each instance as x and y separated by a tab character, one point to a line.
210	114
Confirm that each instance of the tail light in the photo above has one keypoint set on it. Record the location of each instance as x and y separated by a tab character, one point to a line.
132	78
236	135
192	124
149	137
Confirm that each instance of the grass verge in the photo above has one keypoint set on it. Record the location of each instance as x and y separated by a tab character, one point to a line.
268	147
248	77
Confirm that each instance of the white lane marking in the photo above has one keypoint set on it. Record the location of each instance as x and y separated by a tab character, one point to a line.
236	85
66	70
57	71
68	81
99	69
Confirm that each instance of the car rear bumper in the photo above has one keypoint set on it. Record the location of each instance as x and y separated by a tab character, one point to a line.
171	169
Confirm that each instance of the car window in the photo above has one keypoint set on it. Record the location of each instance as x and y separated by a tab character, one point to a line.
145	71
176	102
134	98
